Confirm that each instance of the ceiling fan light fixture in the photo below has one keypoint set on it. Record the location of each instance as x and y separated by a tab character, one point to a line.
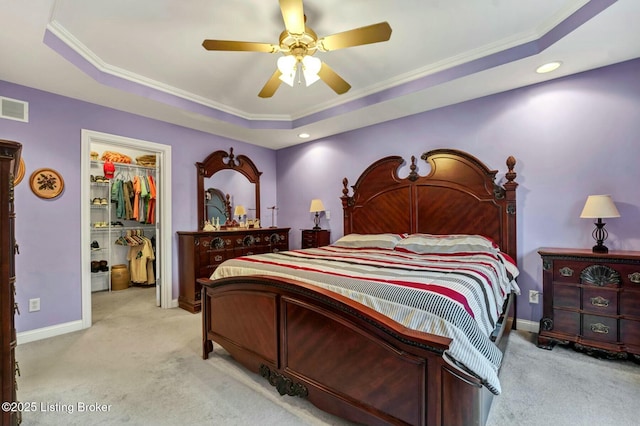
310	68
287	65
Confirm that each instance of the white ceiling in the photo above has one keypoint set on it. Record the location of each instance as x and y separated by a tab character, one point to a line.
146	57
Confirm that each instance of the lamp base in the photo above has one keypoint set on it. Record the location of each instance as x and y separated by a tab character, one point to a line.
600	249
316	228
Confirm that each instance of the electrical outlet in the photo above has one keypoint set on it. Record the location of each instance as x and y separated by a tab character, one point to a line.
533	296
34	305
327	214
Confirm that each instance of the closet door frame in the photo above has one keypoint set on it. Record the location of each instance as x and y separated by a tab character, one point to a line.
163	209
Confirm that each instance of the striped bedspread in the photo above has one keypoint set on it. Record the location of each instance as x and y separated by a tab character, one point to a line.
457	295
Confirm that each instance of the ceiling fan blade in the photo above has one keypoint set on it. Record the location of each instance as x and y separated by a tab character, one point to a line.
271	86
333	80
293	15
242	46
364	35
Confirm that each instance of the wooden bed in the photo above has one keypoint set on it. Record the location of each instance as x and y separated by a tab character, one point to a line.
344	357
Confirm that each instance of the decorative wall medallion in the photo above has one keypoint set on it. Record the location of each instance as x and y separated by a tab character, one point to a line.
46	183
20	173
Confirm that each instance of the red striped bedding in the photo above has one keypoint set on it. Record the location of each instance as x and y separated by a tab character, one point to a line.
458	295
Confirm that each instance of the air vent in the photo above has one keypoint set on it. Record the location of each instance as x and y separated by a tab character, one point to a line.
14	109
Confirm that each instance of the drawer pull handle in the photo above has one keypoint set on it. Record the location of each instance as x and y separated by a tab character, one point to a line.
218	258
599	328
635	277
600	302
17	369
566	271
15	308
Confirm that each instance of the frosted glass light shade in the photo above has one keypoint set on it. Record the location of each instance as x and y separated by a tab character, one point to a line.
287	65
599	206
310	68
239	211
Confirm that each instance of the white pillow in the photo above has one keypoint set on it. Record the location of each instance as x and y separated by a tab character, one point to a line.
385	241
450	243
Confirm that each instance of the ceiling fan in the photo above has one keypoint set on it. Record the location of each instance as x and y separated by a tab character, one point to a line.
299	43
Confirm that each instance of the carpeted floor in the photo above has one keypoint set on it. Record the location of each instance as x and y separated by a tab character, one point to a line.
142	365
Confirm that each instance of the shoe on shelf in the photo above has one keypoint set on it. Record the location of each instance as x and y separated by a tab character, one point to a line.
95	266
103	266
92	178
103	201
96	201
95	245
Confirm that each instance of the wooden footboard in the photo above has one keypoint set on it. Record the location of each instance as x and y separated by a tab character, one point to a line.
343	357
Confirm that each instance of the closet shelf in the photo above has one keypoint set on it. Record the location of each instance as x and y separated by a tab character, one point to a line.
123	228
126	166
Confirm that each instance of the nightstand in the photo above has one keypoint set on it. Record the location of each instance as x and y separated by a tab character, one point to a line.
591	300
312	238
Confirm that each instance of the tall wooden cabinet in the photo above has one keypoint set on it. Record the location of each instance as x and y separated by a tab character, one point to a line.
200	253
9	162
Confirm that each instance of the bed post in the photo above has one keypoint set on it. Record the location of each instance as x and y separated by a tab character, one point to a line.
346	201
510	189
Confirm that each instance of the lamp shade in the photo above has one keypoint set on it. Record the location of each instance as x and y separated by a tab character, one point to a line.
316	205
599	206
239	211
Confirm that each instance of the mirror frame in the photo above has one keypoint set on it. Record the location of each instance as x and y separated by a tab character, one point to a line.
221	160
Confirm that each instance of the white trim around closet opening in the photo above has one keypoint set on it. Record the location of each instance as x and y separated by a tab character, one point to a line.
163	209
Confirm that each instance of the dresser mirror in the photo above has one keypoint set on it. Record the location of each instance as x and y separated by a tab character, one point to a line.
235	177
217	206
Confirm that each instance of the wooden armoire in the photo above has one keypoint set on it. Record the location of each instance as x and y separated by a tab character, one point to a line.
9	164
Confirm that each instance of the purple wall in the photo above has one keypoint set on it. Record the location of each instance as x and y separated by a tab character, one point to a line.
572	137
48	231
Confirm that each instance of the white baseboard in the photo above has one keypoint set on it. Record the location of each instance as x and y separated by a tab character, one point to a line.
174	303
46	332
526	325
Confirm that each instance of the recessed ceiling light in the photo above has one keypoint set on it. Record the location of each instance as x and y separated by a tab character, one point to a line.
304	135
551	66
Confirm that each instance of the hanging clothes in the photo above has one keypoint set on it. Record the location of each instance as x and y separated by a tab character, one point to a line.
141	259
117	196
151	212
136	198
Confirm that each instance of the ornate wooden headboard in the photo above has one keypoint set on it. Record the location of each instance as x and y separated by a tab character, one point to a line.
458	196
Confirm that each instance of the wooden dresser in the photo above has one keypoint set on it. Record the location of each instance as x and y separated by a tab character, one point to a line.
312	238
200	253
9	162
591	300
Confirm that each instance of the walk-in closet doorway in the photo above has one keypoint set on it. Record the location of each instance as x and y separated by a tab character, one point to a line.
101	227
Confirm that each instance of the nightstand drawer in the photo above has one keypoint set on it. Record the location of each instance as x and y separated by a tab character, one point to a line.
630	275
567	271
630	304
630	333
566	322
599	301
604	329
566	296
